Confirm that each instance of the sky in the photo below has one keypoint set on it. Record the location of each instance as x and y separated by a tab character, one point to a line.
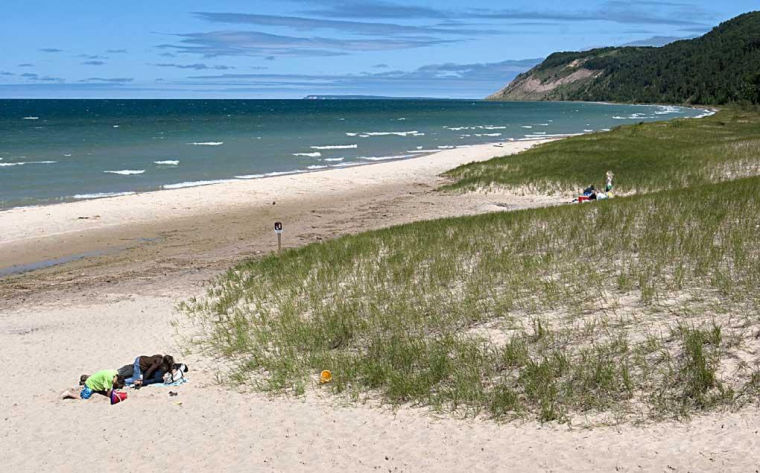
294	48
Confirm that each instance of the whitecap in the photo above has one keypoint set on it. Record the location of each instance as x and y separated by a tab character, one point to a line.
66	155
335	147
587	130
446	147
333	160
315	154
116	126
422	151
126	172
31	118
368	134
316	166
207	143
526	126
21	163
168	162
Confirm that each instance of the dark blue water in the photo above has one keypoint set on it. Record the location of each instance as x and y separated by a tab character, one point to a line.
62	150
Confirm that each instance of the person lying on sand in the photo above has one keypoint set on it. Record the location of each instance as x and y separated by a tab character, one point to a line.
147	369
176	374
102	382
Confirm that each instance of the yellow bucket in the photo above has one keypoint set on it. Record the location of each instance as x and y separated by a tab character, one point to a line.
325	376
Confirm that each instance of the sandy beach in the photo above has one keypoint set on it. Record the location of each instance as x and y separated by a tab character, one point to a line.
131	259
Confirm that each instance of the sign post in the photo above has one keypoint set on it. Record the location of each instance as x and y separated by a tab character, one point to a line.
278	231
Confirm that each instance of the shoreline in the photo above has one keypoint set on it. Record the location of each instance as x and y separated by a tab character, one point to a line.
68	222
277	174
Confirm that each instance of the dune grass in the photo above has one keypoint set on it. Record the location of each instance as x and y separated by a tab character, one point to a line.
633	308
646	157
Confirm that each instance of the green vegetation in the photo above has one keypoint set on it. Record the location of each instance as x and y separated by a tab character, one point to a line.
632	308
645	157
720	67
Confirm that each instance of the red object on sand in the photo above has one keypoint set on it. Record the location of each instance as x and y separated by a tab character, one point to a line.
118	396
583	198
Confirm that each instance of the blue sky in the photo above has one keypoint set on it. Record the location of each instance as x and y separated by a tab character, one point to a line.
293	48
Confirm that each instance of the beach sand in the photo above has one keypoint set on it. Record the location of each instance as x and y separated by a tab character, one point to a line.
157	249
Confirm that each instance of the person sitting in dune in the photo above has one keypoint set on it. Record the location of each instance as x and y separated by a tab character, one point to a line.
102	382
147	370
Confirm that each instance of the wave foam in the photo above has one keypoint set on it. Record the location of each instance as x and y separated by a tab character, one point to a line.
100	195
126	172
666	110
368	134
21	163
348	165
384	158
268	174
316	166
333	160
207	143
423	151
335	147
31	118
168	162
181	185
706	113
315	154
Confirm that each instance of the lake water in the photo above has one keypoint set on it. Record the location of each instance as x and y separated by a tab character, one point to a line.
62	150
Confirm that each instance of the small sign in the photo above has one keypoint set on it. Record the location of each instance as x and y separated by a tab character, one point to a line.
278	227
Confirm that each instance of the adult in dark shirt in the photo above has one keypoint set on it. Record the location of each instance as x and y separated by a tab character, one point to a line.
147	369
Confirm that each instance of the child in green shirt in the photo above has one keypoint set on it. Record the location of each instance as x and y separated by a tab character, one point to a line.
102	382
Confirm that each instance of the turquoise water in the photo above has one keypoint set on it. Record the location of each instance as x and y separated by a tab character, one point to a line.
63	150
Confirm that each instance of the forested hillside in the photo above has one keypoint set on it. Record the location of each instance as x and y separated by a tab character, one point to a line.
720	67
